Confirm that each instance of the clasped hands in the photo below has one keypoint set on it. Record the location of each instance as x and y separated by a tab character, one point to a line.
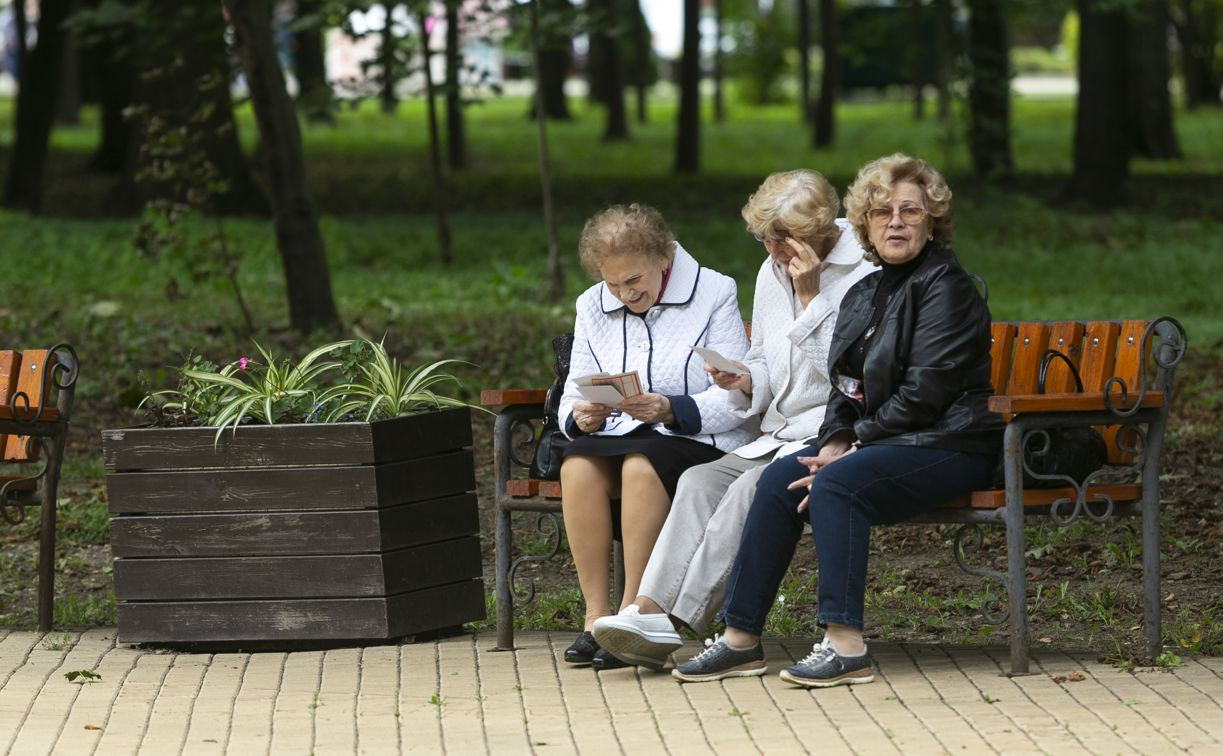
829	453
648	408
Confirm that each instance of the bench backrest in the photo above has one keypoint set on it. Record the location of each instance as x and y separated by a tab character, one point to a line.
1100	349
22	372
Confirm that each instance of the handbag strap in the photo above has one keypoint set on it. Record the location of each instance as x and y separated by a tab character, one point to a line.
1045	359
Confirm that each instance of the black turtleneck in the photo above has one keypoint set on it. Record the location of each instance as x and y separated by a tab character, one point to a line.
890	280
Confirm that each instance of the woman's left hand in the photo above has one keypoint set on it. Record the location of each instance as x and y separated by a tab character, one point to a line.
829	453
804	269
648	408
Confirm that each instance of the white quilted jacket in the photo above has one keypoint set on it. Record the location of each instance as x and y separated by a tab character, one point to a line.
789	353
698	308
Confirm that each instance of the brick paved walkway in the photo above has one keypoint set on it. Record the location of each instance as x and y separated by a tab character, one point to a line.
453	696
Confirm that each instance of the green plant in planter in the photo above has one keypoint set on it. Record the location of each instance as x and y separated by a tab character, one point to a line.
379	387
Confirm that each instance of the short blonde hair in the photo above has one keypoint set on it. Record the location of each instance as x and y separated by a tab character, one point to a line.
874	185
800	202
625	230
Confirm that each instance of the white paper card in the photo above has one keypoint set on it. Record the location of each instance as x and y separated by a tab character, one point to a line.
718	362
601	395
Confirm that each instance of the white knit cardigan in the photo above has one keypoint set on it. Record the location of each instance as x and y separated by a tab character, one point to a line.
789	353
698	307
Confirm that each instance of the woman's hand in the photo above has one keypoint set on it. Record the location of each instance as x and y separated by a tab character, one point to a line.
829	453
588	416
648	408
804	270
728	381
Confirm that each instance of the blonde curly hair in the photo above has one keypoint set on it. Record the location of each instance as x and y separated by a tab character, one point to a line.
624	230
874	185
800	202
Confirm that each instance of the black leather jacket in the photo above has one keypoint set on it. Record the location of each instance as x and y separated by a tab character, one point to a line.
926	370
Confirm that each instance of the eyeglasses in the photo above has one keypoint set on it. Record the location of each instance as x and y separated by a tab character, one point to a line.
779	236
910	215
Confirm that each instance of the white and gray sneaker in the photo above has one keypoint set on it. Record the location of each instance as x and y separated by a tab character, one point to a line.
642	639
824	668
719	661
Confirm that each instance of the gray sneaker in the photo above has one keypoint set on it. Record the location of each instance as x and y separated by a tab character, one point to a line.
642	639
719	661
824	668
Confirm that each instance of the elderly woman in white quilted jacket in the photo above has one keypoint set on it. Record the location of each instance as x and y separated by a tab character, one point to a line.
653	304
813	258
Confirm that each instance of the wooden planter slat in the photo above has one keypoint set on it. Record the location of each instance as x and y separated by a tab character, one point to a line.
287	445
301	619
328	576
294	533
290	488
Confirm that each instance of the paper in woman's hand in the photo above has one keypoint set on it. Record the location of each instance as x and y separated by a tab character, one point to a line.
610	390
718	362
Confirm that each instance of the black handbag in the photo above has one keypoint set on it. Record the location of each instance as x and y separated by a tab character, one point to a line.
1071	452
550	449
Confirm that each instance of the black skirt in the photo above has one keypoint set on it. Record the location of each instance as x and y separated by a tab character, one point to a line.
669	455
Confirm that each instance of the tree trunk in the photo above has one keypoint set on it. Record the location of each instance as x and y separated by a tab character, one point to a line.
386	54
944	34
805	111
440	202
115	81
610	71
1197	26
824	124
314	95
554	59
989	92
1101	145
641	51
307	279
688	131
1150	104
36	96
68	102
556	273
917	59
22	26
719	64
456	135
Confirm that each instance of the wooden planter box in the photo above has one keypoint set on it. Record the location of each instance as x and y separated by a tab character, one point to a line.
344	531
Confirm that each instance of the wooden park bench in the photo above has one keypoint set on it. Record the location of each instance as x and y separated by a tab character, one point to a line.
36	392
1126	368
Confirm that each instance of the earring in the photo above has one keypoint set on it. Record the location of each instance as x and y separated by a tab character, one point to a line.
930	237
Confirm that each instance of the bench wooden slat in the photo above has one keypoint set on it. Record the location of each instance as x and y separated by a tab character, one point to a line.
10	363
31	381
1036	497
531	487
1000	352
1073	402
1030	344
1099	354
1066	337
26	486
1130	359
502	397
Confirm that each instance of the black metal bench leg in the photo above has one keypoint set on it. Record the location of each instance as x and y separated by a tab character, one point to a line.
46	540
1017	582
505	592
1151	537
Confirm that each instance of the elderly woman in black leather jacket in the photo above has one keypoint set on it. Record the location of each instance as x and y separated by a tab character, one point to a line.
906	429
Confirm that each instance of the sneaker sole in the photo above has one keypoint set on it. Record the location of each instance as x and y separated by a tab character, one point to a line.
807	682
637	647
740	671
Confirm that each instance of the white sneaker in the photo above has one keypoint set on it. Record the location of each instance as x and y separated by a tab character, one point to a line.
642	639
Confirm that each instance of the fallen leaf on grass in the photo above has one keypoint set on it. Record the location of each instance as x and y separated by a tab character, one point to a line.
83	675
92	727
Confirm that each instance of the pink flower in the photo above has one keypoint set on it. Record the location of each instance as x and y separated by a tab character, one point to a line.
430	23
243	362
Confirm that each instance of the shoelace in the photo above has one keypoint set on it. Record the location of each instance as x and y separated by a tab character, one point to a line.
711	647
820	652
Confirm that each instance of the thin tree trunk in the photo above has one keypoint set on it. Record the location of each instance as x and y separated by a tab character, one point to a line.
1147	72
22	25
989	92
307	278
386	51
36	96
456	135
1196	26
944	33
917	59
114	81
440	200
1101	145
68	103
688	131
554	62
824	125
556	274
641	69
805	109
719	65
314	95
610	76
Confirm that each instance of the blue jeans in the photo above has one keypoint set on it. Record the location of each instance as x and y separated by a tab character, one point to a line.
876	484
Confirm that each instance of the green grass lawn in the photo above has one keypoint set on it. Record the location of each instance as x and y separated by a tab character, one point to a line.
73	276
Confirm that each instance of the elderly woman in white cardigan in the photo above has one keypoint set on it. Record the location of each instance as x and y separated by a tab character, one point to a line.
654	303
813	258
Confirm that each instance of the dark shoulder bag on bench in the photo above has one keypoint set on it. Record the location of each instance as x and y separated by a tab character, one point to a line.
552	441
1072	452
